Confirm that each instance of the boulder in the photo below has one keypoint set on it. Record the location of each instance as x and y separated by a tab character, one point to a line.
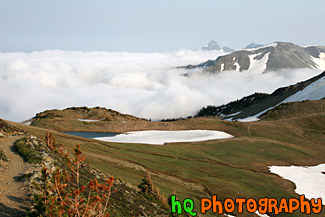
1	135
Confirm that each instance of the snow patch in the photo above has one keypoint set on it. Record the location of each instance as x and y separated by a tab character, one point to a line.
314	91
27	123
233	114
255	117
320	62
309	181
222	67
157	137
258	65
249	119
268	45
87	120
237	66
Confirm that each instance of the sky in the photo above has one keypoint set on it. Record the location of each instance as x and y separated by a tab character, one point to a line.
123	54
156	26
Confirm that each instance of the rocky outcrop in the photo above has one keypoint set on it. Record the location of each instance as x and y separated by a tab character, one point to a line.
8	129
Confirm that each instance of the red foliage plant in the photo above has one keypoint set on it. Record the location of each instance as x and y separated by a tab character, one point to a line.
64	195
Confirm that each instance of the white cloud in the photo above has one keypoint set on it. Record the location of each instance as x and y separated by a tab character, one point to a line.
141	84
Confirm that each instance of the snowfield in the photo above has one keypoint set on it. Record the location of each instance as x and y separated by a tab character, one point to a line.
258	65
237	66
309	181
314	91
222	67
320	61
157	137
265	46
255	117
250	119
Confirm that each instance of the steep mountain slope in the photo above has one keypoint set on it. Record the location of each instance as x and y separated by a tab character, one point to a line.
257	104
275	56
232	108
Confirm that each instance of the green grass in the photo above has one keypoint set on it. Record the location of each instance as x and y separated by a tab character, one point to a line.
228	168
29	154
3	157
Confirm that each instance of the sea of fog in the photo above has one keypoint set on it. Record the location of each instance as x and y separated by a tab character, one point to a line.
143	84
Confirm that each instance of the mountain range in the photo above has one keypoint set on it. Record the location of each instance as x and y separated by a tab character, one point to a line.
274	56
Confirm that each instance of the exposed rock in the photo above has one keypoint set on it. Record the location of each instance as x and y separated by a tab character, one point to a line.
213	45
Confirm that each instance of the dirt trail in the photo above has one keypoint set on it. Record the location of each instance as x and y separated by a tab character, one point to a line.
14	200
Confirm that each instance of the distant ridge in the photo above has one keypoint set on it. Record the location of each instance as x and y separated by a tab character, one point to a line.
275	56
259	103
254	45
213	45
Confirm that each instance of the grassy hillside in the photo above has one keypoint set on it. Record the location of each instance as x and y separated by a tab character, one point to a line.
295	109
96	120
229	168
72	119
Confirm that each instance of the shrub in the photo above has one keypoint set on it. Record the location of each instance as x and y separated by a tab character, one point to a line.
31	155
3	157
64	195
151	192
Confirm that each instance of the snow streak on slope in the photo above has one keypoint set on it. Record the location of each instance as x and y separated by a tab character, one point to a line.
222	67
268	45
87	120
309	181
314	91
320	61
237	66
258	65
